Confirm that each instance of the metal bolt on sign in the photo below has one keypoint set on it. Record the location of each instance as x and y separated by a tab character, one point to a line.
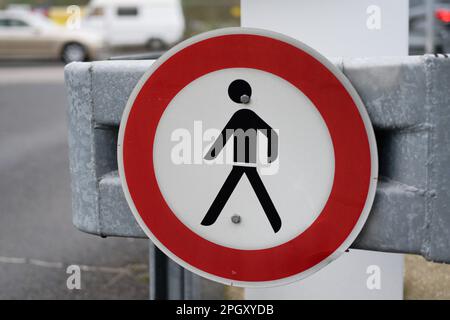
408	103
236	219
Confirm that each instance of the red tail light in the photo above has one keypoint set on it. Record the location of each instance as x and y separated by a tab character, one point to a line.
443	15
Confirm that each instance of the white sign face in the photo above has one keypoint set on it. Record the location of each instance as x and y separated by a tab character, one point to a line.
247	157
298	182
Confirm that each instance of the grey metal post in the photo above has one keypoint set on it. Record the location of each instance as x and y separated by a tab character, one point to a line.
158	276
429	26
170	281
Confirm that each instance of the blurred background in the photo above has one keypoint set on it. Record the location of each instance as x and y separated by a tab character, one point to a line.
37	37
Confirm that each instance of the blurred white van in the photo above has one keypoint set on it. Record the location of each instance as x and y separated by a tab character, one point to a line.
156	24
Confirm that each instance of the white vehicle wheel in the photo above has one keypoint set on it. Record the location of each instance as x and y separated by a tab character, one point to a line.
74	52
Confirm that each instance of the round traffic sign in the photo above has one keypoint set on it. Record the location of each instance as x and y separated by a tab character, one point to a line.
247	157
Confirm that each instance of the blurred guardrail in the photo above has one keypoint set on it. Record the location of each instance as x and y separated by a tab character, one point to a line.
408	101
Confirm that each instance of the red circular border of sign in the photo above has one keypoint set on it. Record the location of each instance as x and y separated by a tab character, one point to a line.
339	111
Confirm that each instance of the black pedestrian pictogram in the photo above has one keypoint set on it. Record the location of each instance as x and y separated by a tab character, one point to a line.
244	126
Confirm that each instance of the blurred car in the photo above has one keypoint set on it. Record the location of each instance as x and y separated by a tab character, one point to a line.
24	34
155	24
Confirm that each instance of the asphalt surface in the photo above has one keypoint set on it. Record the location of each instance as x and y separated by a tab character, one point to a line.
37	238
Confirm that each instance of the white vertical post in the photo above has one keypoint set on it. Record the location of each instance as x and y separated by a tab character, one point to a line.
345	28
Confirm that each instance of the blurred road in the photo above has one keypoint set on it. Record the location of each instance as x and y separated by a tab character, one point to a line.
37	238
